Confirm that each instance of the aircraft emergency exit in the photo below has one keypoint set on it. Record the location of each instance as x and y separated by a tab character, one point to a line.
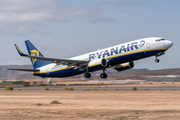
119	57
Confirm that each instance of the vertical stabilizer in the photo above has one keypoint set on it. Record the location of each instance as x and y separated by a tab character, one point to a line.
32	50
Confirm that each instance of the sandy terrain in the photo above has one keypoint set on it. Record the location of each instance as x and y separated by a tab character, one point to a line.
90	105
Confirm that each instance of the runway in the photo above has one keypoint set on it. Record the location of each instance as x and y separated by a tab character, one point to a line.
105	87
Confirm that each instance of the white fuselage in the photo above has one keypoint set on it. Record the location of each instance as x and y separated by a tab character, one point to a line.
119	54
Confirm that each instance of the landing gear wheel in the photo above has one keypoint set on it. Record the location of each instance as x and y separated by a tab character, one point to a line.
87	75
103	75
157	60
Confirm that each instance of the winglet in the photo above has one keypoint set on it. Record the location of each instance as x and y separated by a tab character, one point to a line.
19	51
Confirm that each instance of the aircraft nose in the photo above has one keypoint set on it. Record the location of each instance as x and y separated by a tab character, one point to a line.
168	43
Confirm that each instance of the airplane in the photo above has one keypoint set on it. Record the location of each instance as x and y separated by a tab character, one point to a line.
120	57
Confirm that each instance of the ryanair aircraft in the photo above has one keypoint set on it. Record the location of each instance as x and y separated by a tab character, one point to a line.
119	57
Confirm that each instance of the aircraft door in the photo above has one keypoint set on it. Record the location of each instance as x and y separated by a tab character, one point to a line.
148	44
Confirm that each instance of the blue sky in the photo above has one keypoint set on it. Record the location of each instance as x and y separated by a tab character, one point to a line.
66	28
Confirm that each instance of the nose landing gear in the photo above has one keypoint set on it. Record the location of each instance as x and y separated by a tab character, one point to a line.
157	60
157	55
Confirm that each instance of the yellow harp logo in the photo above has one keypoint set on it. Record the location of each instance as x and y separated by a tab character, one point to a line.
34	53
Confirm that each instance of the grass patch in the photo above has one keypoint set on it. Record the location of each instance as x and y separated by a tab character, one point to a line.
86	89
46	89
52	89
9	88
104	89
91	89
69	89
134	88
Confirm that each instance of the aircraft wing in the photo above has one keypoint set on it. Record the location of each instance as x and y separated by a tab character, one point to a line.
54	60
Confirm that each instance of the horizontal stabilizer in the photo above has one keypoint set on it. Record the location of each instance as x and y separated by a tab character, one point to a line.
27	70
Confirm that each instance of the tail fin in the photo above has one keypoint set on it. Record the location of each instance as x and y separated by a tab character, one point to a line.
32	50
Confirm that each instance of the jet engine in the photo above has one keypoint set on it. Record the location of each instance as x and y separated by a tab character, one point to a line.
124	66
103	62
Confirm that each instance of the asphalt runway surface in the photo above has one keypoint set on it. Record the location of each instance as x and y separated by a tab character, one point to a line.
81	88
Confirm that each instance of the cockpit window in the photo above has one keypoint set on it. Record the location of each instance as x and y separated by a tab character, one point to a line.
159	40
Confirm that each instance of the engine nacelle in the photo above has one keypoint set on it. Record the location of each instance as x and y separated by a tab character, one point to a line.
103	62
124	66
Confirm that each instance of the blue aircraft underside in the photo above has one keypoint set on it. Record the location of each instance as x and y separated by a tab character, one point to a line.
112	61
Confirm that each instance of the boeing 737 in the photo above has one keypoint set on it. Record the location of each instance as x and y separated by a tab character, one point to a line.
119	57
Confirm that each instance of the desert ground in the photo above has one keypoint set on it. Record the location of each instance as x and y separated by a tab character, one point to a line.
90	105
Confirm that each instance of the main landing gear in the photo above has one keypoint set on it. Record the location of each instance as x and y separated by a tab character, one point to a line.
87	75
103	75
